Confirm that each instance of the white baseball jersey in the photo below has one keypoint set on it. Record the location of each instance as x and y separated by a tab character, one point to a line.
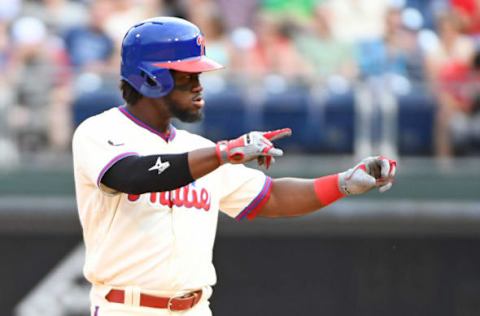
159	241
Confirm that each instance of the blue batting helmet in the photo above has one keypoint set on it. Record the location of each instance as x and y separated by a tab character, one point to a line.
154	46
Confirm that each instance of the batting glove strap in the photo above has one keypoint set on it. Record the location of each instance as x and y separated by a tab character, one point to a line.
222	151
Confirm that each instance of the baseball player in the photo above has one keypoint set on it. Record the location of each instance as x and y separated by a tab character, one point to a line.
149	194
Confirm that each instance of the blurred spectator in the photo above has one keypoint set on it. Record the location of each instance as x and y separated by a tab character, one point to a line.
7	146
355	20
5	54
7	70
272	52
126	13
300	10
463	93
447	64
403	34
327	55
468	12
41	86
57	15
88	46
397	52
237	13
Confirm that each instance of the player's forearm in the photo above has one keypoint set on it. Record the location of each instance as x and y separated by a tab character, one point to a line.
295	197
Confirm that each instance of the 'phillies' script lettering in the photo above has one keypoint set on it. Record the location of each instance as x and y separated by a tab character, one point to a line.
187	196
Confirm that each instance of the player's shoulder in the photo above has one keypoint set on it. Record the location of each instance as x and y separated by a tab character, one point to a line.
98	123
194	138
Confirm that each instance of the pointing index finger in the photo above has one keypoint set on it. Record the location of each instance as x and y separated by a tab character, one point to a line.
277	134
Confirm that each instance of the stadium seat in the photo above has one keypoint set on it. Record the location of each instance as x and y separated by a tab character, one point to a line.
338	123
288	108
416	114
92	103
226	114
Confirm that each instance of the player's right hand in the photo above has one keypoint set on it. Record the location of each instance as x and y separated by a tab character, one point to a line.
253	145
372	172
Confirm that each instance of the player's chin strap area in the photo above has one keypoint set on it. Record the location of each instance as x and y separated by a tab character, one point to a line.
175	304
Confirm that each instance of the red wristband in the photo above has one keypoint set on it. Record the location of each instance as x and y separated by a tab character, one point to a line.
326	189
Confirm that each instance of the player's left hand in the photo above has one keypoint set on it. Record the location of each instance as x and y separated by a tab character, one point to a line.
372	172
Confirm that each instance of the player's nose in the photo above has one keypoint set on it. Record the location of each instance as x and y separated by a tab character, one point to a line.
197	87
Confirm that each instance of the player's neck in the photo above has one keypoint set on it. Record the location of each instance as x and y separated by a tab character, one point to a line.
154	116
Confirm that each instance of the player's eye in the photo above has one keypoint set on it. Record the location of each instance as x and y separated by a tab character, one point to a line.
187	77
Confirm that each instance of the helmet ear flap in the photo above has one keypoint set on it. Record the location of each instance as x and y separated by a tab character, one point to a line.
148	79
157	83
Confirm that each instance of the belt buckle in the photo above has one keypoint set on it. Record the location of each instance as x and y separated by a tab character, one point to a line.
169	303
170	300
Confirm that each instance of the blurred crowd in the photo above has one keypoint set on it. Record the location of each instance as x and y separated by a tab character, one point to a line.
55	53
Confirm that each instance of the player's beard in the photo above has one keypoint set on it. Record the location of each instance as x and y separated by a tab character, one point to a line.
184	115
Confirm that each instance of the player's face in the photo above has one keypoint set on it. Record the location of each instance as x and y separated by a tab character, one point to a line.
185	102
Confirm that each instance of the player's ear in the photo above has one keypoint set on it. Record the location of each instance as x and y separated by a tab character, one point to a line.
129	94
